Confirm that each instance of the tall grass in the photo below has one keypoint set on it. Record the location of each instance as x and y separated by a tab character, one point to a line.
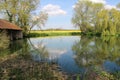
4	40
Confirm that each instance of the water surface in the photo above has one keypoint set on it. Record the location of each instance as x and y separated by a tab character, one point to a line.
74	54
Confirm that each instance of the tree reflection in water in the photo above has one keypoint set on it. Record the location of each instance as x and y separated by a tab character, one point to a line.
94	52
39	51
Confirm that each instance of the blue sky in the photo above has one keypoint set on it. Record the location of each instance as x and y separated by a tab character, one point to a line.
61	11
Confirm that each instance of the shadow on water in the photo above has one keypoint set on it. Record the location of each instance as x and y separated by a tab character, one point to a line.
99	56
16	47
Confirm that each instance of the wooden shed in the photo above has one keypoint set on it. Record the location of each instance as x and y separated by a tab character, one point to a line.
13	31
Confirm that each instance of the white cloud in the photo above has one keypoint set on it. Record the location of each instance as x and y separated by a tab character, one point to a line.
94	1
73	6
98	1
55	54
53	10
110	7
106	6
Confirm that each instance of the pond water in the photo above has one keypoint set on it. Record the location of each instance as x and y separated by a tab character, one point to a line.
73	54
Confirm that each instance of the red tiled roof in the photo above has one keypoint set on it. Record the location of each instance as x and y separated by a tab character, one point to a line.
4	24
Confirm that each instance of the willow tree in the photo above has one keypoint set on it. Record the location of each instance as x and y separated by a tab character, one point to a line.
108	22
102	22
85	15
114	24
118	17
20	12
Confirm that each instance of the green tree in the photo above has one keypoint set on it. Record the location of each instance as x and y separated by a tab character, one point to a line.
38	20
85	15
20	12
118	16
102	22
93	17
108	22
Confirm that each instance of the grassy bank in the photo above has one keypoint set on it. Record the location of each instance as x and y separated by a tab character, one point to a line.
39	33
22	67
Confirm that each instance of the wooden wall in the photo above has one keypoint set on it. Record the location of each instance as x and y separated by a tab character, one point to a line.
14	34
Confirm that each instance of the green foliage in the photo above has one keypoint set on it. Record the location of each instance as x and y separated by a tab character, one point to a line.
54	33
93	17
4	40
20	12
84	15
108	22
78	77
116	75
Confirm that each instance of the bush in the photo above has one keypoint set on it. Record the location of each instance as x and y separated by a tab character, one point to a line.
4	40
